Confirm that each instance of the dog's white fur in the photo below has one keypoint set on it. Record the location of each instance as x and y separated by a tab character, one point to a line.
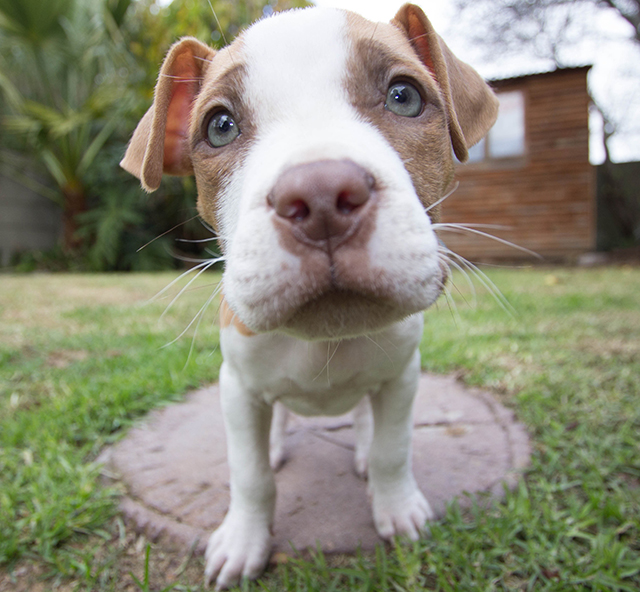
318	332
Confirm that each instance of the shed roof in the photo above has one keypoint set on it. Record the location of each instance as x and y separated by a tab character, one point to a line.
552	71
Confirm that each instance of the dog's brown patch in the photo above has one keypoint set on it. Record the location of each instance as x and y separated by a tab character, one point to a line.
223	88
229	318
381	55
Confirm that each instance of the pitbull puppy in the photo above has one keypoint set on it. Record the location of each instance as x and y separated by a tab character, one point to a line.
321	144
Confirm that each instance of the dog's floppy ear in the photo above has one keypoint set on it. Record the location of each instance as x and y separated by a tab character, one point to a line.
160	142
472	108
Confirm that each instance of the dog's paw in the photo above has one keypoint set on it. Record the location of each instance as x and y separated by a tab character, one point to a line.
405	515
277	454
277	438
363	428
237	549
361	463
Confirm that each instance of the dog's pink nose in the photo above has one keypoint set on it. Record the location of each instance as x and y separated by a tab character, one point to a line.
322	200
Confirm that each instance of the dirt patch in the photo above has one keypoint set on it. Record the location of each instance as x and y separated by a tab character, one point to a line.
66	357
112	562
622	349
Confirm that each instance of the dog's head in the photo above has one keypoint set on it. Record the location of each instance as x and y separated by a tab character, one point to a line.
319	142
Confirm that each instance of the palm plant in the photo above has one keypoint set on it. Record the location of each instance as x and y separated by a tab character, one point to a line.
63	73
76	76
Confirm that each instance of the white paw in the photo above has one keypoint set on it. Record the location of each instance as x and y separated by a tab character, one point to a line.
276	454
363	428
239	548
402	515
278	436
361	463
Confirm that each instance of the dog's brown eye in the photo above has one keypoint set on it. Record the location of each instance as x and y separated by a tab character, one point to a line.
404	99
222	129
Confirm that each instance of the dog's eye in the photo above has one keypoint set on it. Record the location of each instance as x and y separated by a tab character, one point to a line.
404	99
222	129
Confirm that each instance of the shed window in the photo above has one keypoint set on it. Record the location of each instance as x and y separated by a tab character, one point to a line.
506	139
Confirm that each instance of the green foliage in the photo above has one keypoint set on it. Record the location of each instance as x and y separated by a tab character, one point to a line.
65	89
119	221
76	76
36	21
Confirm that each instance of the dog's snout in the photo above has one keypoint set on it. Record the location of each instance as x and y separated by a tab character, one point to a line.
322	200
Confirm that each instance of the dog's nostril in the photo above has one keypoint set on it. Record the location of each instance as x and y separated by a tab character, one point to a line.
295	210
348	201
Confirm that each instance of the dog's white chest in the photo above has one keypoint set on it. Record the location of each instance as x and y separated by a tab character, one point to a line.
320	378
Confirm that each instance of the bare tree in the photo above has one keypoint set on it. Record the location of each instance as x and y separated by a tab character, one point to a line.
518	21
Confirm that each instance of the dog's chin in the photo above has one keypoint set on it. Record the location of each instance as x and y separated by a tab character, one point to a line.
341	314
327	311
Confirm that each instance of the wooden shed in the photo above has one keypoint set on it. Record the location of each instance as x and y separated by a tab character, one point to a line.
531	175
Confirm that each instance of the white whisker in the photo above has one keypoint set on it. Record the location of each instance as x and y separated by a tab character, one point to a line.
182	78
224	38
215	256
329	358
203	59
433	205
170	285
472	288
166	232
465	226
472	228
204	268
195	241
212	230
384	351
485	281
198	315
453	308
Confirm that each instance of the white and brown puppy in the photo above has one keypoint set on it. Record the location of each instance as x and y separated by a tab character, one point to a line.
320	142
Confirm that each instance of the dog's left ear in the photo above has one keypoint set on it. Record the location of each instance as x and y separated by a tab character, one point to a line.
160	143
472	108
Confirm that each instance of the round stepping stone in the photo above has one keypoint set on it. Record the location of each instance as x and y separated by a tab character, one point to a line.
174	468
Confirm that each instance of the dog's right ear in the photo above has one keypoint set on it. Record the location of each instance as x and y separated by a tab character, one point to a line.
472	108
160	142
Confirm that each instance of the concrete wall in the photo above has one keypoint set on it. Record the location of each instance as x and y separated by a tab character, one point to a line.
28	221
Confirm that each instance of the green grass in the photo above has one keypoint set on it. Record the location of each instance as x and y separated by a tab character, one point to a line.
81	358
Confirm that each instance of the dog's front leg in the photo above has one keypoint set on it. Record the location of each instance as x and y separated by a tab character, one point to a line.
399	508
241	546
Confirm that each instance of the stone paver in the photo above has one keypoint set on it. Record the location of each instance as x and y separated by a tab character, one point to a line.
174	467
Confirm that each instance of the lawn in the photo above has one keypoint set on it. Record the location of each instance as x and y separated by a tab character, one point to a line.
83	357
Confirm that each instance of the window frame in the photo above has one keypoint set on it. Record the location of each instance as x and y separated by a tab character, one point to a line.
487	160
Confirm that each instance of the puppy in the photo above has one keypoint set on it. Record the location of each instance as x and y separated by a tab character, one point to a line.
321	144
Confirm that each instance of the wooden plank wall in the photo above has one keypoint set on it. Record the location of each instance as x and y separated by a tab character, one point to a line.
545	199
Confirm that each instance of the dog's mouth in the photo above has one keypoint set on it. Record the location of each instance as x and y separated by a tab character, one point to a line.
340	313
339	300
347	308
